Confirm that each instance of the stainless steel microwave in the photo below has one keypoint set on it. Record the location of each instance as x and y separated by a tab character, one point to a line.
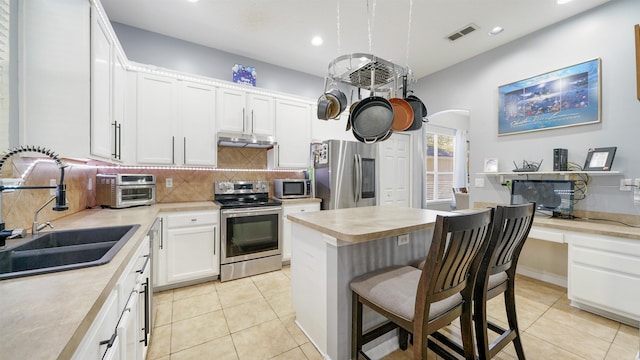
125	190
292	188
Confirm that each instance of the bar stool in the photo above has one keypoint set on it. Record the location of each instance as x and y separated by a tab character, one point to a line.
496	275
423	301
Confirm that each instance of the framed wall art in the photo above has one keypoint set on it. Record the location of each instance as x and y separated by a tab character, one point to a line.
565	97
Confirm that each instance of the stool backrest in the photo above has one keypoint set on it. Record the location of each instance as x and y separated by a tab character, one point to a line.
456	242
511	226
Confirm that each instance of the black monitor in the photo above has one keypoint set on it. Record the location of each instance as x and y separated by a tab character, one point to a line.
550	195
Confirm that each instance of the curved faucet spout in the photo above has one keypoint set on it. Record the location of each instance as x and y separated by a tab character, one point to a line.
36	228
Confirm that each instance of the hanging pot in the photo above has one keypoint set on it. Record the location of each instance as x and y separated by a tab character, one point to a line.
324	106
338	103
402	114
372	118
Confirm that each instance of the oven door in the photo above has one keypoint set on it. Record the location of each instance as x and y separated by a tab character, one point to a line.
133	195
250	233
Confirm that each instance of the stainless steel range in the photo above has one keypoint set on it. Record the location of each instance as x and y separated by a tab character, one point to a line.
251	229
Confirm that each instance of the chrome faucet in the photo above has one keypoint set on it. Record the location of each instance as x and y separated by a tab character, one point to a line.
61	188
35	229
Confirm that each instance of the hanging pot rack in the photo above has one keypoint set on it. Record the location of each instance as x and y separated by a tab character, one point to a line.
366	71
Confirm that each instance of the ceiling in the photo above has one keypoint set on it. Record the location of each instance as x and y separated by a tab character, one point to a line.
411	33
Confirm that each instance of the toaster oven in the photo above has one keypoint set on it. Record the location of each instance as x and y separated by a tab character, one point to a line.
125	190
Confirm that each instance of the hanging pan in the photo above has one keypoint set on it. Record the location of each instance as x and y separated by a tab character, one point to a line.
372	118
419	109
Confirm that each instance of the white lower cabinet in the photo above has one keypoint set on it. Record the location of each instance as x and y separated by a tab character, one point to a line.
102	331
189	248
604	275
286	227
118	332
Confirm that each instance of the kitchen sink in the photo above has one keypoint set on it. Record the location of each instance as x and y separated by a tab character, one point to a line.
64	250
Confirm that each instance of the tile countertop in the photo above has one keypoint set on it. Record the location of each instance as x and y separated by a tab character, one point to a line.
368	223
46	316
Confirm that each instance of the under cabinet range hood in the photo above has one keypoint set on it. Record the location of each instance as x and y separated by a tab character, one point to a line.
245	140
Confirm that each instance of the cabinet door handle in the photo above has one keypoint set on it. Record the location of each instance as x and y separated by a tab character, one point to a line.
161	233
215	239
115	139
243	119
144	266
253	125
119	157
184	150
173	149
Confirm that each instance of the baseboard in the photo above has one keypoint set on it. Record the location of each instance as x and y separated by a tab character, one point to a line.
538	275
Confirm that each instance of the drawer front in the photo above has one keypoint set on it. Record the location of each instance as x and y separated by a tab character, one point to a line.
546	235
606	244
295	209
192	219
614	262
610	291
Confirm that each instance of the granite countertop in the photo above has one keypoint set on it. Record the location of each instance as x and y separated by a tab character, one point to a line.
368	223
46	316
591	226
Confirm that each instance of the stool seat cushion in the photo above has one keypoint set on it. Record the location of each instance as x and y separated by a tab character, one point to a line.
394	289
497	279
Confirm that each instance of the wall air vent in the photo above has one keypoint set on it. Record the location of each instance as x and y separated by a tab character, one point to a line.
462	32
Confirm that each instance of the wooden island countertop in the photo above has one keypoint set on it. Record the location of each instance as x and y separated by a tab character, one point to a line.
368	223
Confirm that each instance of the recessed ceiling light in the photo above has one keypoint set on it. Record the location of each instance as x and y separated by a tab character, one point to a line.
193	1
496	30
562	2
317	41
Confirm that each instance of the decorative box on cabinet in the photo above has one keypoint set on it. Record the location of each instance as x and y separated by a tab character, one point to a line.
604	275
286	223
189	250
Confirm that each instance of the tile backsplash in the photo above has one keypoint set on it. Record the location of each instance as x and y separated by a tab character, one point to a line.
188	184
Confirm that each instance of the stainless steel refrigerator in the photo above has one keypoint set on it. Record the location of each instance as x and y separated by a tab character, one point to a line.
344	173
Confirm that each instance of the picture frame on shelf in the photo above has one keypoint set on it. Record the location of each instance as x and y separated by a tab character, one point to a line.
561	98
491	165
599	159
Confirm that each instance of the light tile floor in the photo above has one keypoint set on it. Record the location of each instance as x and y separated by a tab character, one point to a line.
252	318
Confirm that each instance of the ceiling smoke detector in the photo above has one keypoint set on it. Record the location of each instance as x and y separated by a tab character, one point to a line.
462	32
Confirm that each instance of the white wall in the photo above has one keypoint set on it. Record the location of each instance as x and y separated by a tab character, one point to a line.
605	32
155	49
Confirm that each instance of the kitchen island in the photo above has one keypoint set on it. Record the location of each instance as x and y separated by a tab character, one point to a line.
329	248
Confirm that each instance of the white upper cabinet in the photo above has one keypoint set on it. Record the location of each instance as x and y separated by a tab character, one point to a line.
246	113
175	122
54	75
196	114
293	134
156	119
108	83
261	116
101	85
330	129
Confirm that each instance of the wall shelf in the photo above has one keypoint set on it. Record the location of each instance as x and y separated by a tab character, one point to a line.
565	174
